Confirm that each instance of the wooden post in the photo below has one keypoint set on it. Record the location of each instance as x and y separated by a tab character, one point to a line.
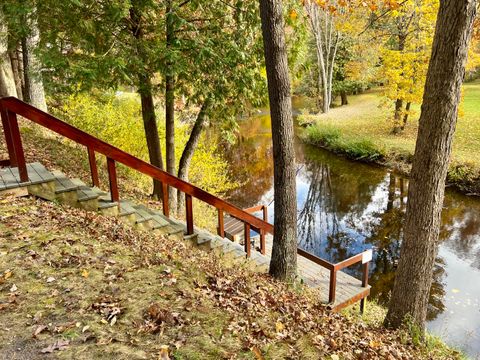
248	245
112	177
189	213
263	249
221	226
17	145
364	284
8	138
93	167
333	285
166	209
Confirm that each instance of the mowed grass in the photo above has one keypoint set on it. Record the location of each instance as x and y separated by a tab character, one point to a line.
369	118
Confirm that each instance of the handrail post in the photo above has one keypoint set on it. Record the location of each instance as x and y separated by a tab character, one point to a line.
166	209
263	249
248	245
364	284
265	213
8	137
221	226
112	177
16	145
189	213
333	285
93	166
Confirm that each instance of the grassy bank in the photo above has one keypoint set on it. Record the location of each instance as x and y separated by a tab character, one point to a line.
363	131
78	285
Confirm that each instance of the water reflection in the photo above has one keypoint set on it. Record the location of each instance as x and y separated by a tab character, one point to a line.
346	207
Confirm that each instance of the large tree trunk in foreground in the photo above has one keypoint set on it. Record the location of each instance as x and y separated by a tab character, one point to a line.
432	154
283	264
7	80
170	106
190	148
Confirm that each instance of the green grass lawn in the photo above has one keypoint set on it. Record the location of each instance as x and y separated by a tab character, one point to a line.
368	119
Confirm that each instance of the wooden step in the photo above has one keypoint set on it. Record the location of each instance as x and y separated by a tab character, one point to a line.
40	182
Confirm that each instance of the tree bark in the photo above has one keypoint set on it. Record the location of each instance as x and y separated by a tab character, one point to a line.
343	95
402	38
283	264
432	154
151	131
190	148
37	91
26	74
146	97
16	75
326	43
170	105
7	80
405	116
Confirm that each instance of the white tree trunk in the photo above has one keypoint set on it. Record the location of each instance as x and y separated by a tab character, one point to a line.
7	80
36	90
326	42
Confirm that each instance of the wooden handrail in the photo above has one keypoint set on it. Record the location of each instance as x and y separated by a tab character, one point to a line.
29	112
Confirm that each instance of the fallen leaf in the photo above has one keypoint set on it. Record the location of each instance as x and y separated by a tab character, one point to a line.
279	326
258	354
164	353
7	274
38	330
85	273
85	328
57	345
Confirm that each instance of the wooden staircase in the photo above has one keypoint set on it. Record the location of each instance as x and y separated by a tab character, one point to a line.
336	288
56	186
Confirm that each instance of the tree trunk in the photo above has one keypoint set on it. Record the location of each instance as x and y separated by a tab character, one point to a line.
405	116
170	105
146	97
7	80
343	95
190	148
13	54
26	74
432	154
283	264
37	91
402	38
151	131
397	116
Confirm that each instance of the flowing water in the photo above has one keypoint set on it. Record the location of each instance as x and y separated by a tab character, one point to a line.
345	207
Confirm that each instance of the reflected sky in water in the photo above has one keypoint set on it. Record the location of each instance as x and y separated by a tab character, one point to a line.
345	207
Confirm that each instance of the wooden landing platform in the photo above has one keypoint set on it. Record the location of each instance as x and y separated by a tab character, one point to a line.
349	290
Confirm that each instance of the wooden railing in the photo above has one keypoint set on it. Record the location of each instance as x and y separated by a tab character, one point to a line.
10	107
364	258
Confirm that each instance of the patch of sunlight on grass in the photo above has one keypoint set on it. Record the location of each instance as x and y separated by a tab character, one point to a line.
367	117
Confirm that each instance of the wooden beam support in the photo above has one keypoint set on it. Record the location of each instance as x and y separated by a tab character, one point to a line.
93	167
112	177
189	213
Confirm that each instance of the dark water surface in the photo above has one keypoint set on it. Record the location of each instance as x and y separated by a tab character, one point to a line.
345	207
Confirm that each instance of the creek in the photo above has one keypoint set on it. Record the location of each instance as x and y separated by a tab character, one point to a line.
345	207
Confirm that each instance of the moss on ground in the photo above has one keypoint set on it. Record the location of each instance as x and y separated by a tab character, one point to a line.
78	285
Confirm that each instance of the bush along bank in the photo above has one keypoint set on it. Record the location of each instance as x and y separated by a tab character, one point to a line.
463	177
